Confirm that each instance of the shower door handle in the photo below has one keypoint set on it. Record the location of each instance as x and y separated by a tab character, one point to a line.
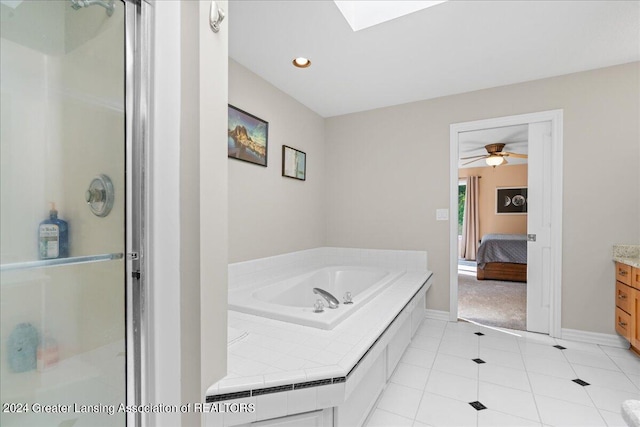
216	15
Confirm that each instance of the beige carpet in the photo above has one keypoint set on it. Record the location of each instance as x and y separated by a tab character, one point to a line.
492	302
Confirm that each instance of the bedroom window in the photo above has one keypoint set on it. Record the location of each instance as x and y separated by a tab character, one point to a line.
462	191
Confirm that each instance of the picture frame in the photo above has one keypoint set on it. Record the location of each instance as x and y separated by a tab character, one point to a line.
247	137
294	163
511	200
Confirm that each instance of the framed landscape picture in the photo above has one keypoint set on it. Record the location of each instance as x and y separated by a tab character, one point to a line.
247	137
511	200
294	163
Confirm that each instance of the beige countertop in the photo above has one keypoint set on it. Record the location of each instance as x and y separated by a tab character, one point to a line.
627	254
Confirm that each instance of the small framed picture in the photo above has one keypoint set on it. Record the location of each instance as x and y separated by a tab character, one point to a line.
511	201
247	137
294	163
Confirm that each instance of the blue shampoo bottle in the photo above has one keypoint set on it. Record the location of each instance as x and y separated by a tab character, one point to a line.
53	236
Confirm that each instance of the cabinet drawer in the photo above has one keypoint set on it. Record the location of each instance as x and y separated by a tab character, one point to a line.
635	277
623	273
623	324
623	297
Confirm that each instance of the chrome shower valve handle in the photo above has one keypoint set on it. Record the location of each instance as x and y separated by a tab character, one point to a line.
100	195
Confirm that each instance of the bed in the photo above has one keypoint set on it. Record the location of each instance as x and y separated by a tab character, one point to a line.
502	257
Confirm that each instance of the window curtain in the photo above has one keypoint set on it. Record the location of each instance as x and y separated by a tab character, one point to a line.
470	220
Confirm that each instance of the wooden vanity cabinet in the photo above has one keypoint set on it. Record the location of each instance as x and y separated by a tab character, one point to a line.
628	304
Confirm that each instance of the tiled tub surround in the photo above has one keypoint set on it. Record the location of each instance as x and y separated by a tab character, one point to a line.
267	270
627	254
284	369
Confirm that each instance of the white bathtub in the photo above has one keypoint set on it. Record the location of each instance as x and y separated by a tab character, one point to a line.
292	299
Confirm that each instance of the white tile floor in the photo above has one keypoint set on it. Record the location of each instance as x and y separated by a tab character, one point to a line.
524	381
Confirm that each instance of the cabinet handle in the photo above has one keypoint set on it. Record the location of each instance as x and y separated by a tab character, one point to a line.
622	272
622	324
622	296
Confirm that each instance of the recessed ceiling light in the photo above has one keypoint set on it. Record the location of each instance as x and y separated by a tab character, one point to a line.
301	62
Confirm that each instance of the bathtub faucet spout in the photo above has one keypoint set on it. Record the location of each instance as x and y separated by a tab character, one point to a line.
331	300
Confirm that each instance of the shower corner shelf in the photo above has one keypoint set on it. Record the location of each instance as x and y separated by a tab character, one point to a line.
30	265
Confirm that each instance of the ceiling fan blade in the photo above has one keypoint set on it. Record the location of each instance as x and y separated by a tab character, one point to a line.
516	155
475	157
475	160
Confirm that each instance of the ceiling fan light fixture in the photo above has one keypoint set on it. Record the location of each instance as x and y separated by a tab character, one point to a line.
494	160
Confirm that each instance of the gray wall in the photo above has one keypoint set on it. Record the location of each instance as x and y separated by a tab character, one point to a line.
188	215
388	170
270	214
203	203
375	178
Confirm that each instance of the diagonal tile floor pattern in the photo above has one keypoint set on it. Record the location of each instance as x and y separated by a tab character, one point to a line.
526	380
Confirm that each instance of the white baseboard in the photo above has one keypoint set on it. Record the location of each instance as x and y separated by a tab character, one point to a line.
611	340
437	314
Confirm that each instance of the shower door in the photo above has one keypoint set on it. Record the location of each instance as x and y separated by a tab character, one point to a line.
65	234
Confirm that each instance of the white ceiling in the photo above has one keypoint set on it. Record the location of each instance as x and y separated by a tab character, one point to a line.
472	144
454	47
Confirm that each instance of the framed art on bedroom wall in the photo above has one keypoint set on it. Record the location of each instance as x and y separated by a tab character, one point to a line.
511	200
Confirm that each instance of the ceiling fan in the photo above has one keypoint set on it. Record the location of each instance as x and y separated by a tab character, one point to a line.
495	156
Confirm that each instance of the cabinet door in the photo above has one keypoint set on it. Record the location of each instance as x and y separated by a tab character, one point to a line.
634	311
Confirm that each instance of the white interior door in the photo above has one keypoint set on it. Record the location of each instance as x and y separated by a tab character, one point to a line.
539	272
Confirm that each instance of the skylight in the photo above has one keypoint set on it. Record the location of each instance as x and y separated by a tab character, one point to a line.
364	14
11	3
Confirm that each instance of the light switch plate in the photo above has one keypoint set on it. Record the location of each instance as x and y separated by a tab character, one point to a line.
442	214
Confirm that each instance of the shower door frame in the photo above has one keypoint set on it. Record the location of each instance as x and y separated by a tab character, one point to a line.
138	18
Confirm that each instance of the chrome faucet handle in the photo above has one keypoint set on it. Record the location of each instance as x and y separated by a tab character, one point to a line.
348	298
318	307
331	300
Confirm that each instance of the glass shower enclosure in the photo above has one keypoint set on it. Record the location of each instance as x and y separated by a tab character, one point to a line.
69	232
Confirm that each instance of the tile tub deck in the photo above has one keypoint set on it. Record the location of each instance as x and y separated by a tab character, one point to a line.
306	368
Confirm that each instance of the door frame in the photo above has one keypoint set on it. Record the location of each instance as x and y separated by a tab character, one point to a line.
556	178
